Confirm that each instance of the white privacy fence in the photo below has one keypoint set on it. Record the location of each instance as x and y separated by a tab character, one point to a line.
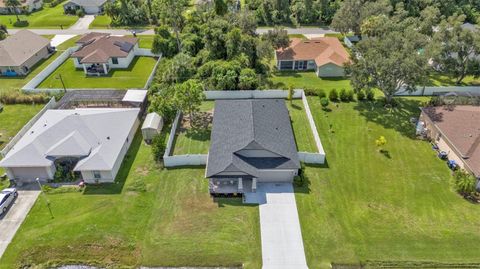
438	90
201	159
32	84
146	52
27	126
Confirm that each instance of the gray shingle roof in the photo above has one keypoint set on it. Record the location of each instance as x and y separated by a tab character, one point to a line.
251	124
18	48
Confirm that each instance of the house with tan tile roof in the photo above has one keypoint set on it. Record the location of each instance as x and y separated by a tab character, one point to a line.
100	52
325	55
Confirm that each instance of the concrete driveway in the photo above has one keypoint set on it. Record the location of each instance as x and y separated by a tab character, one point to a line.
11	221
83	23
281	235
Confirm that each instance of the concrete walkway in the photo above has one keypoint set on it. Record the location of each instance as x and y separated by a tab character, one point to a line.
11	221
282	243
83	23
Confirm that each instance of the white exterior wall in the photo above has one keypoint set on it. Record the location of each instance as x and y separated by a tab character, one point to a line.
124	62
277	175
106	177
330	70
149	133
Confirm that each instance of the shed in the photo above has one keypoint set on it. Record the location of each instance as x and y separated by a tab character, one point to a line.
151	126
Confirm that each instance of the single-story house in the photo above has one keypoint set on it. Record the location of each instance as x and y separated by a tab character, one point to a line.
93	141
325	55
152	125
89	6
252	142
455	130
100	52
21	51
25	6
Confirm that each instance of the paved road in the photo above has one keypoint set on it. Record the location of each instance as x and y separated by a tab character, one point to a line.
307	30
281	235
11	221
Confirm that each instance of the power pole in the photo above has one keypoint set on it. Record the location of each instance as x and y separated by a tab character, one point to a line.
45	197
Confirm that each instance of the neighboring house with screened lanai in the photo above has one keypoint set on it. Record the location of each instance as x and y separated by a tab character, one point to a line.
325	55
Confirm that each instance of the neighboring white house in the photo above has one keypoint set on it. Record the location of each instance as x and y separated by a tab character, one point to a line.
25	5
325	55
100	52
252	142
21	51
93	141
152	125
89	6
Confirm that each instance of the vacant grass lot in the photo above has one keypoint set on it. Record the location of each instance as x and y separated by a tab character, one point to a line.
367	206
133	77
45	18
12	119
15	83
301	128
151	216
194	140
306	80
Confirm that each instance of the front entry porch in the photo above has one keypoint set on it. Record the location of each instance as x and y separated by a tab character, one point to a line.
96	69
231	186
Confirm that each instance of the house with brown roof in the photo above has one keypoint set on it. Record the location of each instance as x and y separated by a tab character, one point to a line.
100	52
455	130
21	51
25	6
325	55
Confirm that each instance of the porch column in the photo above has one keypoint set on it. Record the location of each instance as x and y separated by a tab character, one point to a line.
84	68
293	65
10	174
254	184
105	68
240	184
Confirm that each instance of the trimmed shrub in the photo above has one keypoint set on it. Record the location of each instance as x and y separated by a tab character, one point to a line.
350	95
80	13
333	95
321	93
324	102
343	95
360	95
158	146
20	23
310	92
370	95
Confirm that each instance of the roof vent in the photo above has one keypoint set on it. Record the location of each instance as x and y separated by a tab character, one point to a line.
32	132
108	137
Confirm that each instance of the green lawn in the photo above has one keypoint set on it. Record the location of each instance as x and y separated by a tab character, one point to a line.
151	216
133	77
12	120
304	80
301	128
45	18
397	206
15	83
194	140
438	79
100	21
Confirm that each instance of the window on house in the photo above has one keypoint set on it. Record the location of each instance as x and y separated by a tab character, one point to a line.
114	60
97	175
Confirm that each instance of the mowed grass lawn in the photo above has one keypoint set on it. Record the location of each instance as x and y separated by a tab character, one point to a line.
12	119
100	21
301	129
194	140
133	77
46	18
306	80
16	83
367	206
151	216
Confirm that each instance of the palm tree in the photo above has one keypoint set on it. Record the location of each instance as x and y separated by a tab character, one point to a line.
13	5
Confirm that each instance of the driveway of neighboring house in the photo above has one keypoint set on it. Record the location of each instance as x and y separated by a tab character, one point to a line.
11	221
59	39
282	243
83	23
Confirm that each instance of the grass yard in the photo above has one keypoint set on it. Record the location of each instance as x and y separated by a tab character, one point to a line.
133	77
304	80
151	217
301	128
46	18
100	21
15	83
438	79
190	140
12	119
396	207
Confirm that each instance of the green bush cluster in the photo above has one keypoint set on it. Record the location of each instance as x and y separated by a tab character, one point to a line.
20	23
158	146
80	13
15	97
333	95
465	183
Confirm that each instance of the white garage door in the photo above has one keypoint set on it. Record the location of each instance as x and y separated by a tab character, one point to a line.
29	174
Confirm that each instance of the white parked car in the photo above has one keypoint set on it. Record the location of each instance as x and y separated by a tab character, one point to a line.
6	198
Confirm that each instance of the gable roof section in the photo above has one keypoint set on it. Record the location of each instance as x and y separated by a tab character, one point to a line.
251	124
322	50
97	135
88	3
99	47
18	48
461	127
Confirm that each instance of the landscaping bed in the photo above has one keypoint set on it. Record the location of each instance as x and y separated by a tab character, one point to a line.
396	206
133	77
150	216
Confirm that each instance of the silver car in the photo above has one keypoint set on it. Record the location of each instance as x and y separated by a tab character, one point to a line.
6	198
